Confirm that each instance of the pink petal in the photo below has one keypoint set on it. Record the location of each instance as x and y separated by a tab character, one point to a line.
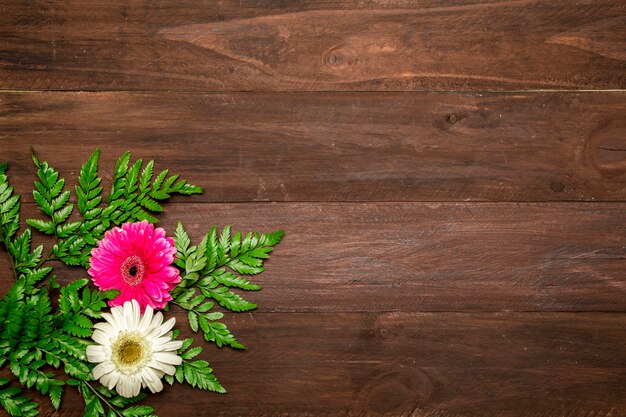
156	252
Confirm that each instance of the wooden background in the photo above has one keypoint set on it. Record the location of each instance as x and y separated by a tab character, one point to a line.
451	176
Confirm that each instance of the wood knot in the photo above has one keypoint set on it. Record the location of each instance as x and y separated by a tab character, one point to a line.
393	393
452	118
339	58
557	187
606	148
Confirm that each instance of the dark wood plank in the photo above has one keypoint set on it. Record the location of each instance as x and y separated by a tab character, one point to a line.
338	146
379	257
412	364
428	257
312	45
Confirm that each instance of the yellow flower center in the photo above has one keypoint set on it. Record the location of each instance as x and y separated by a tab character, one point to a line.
130	352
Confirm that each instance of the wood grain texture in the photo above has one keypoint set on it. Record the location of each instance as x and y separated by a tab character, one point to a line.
411	365
433	257
427	257
455	237
338	146
313	45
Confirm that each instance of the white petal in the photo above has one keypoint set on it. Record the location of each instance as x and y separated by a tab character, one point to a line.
136	312
133	315
95	353
157	341
145	373
105	327
164	328
156	320
106	378
128	386
127	311
108	317
112	321
135	386
172	345
118	317
103	368
164	368
154	384
101	337
165	357
114	377
144	324
167	326
120	386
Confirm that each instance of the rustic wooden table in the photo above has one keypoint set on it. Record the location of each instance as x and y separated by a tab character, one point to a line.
451	176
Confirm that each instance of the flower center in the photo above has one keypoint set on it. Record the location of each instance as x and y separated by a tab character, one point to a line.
130	352
133	270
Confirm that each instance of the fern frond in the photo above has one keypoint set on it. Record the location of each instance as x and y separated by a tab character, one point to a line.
51	198
9	209
195	373
14	403
134	195
209	272
36	335
101	402
76	310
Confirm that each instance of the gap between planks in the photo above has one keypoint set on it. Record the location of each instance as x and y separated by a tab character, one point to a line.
219	92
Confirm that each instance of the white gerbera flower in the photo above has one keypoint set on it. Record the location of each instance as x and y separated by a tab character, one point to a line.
133	350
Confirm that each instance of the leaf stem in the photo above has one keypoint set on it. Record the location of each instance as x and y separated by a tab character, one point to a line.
108	404
186	309
4	242
50	257
13	267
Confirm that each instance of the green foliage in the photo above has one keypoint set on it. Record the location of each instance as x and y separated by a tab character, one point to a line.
14	403
51	198
102	402
9	208
209	273
36	338
27	264
196	373
134	196
76	308
39	335
28	322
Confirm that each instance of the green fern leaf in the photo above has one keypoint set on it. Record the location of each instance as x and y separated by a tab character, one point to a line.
228	299
231	280
36	334
15	404
138	411
9	210
88	189
218	333
50	198
198	374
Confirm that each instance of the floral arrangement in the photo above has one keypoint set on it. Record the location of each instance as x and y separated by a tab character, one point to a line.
114	356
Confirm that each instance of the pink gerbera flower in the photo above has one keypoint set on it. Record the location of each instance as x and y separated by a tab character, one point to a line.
136	259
